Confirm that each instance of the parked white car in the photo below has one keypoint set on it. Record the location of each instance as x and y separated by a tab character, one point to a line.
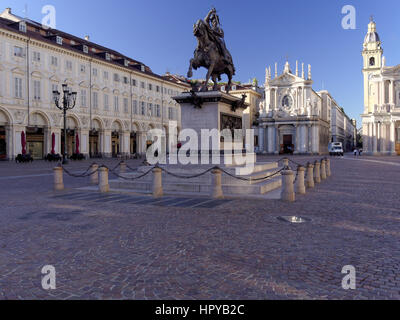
336	149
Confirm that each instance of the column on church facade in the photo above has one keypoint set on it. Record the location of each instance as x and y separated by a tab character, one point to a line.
383	140
271	139
379	136
277	137
393	93
265	150
315	140
365	138
309	139
371	137
297	147
261	139
392	138
375	137
303	138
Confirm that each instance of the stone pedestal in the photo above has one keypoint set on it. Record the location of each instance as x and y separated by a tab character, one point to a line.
212	110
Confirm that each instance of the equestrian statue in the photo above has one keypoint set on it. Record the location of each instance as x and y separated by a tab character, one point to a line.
211	52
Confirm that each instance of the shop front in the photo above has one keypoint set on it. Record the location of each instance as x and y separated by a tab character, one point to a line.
35	142
115	144
133	145
3	143
94	142
70	141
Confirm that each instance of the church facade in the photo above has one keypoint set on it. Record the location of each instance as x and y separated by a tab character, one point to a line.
381	117
293	118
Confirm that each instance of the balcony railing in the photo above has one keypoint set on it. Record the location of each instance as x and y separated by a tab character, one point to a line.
386	108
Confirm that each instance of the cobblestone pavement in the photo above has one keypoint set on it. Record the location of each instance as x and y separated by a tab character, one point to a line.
236	250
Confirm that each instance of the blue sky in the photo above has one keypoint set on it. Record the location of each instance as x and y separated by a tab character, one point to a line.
258	34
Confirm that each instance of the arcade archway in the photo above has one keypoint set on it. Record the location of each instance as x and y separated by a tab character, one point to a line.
35	136
72	129
116	139
4	121
94	139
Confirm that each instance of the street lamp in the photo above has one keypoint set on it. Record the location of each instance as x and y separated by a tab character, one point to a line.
68	102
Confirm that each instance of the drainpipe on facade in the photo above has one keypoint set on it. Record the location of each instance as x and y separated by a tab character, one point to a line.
28	78
130	126
90	99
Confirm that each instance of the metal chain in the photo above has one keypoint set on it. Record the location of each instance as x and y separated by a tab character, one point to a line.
116	166
130	178
113	171
296	163
132	169
82	175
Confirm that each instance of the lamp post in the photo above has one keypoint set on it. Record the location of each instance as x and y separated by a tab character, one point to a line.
68	102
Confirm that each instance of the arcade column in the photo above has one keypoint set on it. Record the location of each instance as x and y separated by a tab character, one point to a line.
106	143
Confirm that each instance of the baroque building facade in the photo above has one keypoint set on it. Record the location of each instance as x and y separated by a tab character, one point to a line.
381	116
253	98
294	118
119	99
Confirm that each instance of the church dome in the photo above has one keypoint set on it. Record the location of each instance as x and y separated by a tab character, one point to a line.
372	35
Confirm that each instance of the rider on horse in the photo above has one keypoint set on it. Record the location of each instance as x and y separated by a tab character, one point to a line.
216	33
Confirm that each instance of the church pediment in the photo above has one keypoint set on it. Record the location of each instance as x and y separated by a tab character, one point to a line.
286	79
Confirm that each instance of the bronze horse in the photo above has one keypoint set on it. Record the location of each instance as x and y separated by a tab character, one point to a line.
208	55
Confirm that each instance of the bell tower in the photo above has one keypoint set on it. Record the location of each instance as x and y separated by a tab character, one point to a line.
372	61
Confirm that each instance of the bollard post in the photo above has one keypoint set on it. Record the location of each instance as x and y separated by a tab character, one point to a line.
157	183
317	172
328	168
122	167
310	175
300	186
104	187
58	179
285	162
323	169
288	186
94	176
217	192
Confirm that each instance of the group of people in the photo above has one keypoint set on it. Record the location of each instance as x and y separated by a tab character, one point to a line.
357	152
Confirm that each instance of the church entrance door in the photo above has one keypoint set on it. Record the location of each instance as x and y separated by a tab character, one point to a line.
287	147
